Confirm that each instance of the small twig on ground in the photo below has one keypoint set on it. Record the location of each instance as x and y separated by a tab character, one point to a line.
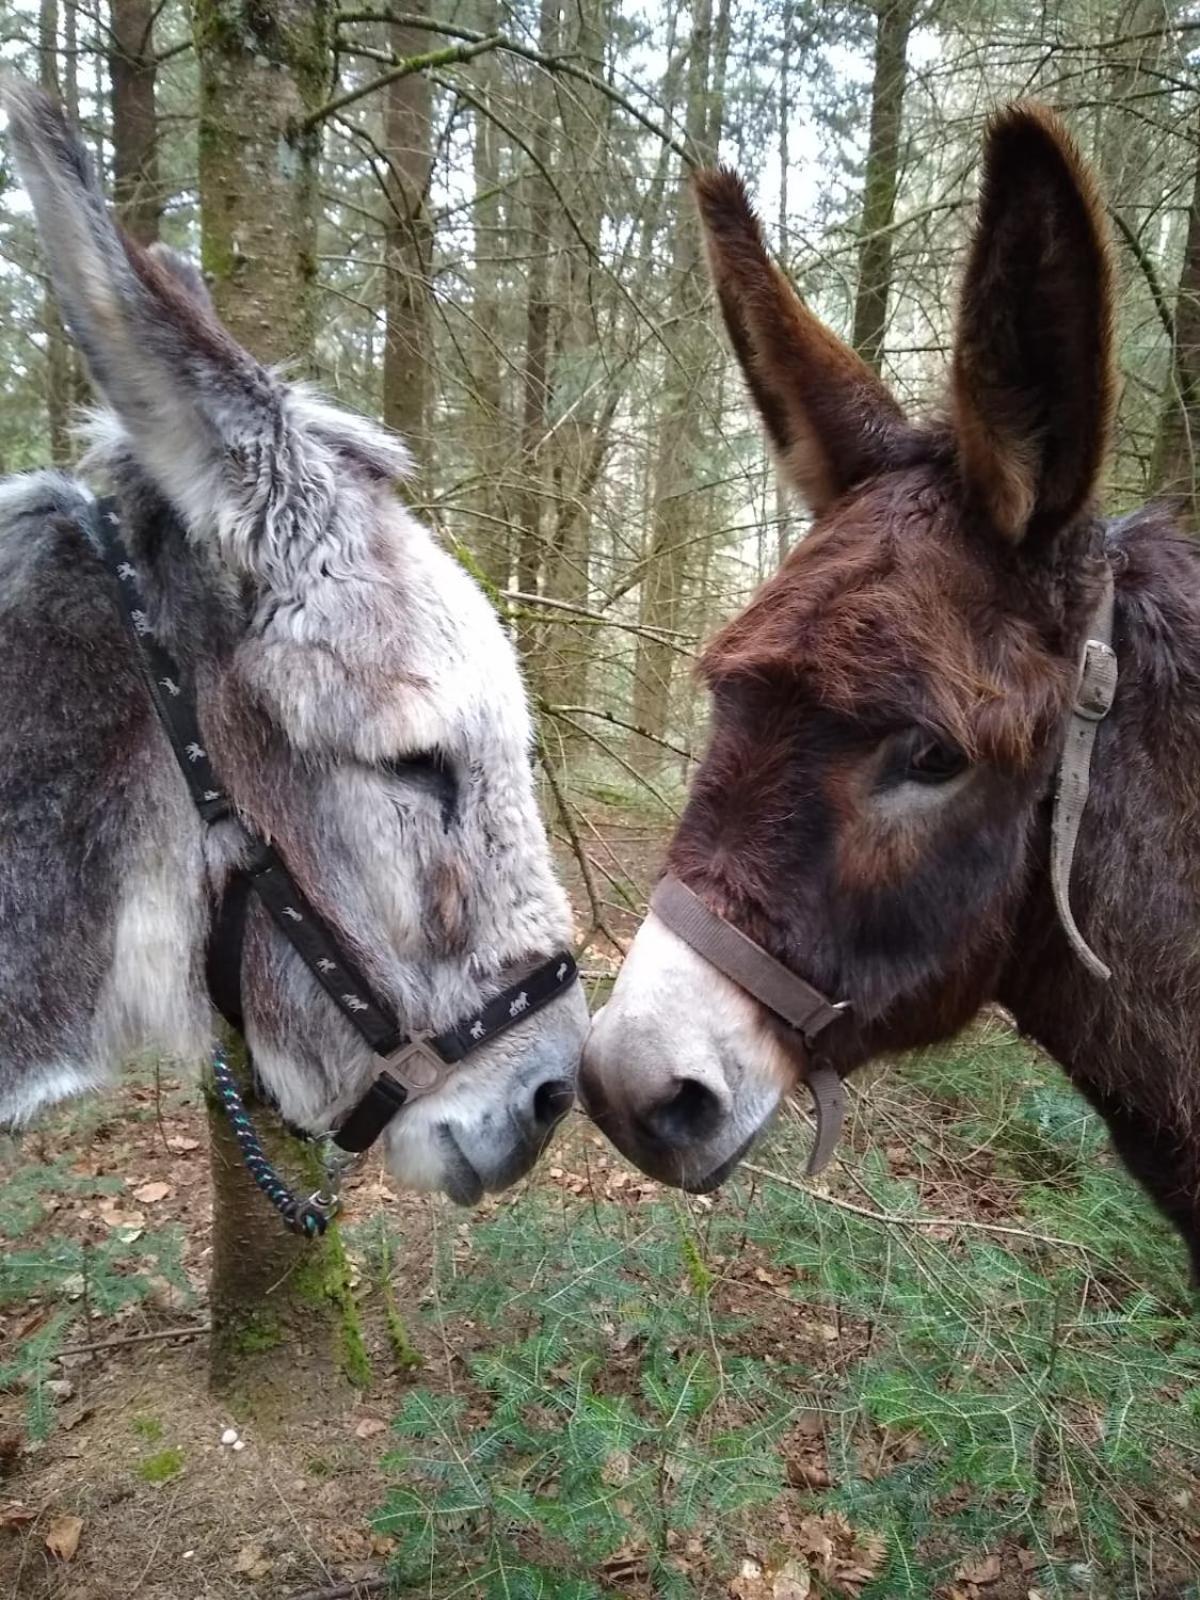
354	1590
134	1338
901	1219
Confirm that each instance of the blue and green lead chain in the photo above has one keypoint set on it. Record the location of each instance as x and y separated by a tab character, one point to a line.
301	1216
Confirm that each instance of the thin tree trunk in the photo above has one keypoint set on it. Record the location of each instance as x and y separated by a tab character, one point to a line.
408	246
58	353
675	519
487	421
133	70
782	509
280	1307
893	26
583	426
530	498
1177	447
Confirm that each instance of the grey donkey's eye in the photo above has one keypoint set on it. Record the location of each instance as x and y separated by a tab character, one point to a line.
430	771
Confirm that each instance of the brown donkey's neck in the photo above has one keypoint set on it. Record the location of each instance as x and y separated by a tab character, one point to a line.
1132	1045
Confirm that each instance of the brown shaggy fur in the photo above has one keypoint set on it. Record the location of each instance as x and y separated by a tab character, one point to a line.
944	593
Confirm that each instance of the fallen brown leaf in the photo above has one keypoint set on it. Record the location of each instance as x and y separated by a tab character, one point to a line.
63	1534
985	1570
151	1193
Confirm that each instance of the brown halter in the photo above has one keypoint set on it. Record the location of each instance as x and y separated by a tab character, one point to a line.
810	1012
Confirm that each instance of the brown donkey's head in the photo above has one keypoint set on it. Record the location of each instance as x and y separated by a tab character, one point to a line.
887	711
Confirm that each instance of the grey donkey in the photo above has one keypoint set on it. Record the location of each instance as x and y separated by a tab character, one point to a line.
359	696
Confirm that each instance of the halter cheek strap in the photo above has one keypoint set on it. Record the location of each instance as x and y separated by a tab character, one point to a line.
769	982
1094	694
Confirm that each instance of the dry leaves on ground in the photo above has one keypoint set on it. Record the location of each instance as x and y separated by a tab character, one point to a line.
846	1557
792	1581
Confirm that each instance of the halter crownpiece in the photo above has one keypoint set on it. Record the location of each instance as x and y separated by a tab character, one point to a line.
807	1010
412	1066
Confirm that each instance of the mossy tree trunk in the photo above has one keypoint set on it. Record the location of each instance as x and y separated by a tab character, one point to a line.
284	1321
282	1315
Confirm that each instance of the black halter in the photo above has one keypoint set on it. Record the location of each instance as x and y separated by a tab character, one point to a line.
415	1066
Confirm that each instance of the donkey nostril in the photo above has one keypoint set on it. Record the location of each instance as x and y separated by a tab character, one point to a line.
551	1101
690	1112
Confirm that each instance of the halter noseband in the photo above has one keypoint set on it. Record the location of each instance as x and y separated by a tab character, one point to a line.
807	1010
414	1066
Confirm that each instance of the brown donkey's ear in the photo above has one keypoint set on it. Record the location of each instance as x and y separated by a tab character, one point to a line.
828	415
1033	381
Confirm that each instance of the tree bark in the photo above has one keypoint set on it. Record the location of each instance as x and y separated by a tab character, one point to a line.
408	247
263	68
675	517
582	422
133	71
488	424
281	1311
530	498
284	1321
892	27
59	374
1177	446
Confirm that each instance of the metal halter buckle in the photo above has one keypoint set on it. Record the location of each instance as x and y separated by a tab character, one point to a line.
418	1066
1097	681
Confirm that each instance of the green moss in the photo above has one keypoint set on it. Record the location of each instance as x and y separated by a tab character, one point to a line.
163	1466
257	1334
148	1428
323	1281
408	1357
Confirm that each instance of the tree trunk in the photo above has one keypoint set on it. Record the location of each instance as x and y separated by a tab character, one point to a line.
675	513
408	246
276	1299
59	375
782	507
487	421
264	67
132	70
530	497
284	1322
893	25
1177	447
582	424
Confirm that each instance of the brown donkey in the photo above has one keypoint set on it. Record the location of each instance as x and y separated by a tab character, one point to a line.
876	807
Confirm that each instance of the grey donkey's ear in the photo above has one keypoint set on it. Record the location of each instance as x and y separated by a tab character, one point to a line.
185	273
193	403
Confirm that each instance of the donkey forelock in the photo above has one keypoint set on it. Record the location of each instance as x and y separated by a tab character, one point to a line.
339	656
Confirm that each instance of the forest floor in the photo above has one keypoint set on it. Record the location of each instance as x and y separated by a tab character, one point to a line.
965	1365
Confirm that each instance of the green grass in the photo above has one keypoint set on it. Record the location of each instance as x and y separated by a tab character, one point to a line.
634	1429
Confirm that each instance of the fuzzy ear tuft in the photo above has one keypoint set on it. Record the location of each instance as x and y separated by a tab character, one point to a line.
1033	387
827	413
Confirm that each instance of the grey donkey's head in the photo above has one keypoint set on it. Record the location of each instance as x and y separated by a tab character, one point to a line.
358	694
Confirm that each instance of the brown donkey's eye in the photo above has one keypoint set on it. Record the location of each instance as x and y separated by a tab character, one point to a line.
933	761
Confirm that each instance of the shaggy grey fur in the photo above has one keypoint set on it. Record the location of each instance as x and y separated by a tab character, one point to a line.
327	633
